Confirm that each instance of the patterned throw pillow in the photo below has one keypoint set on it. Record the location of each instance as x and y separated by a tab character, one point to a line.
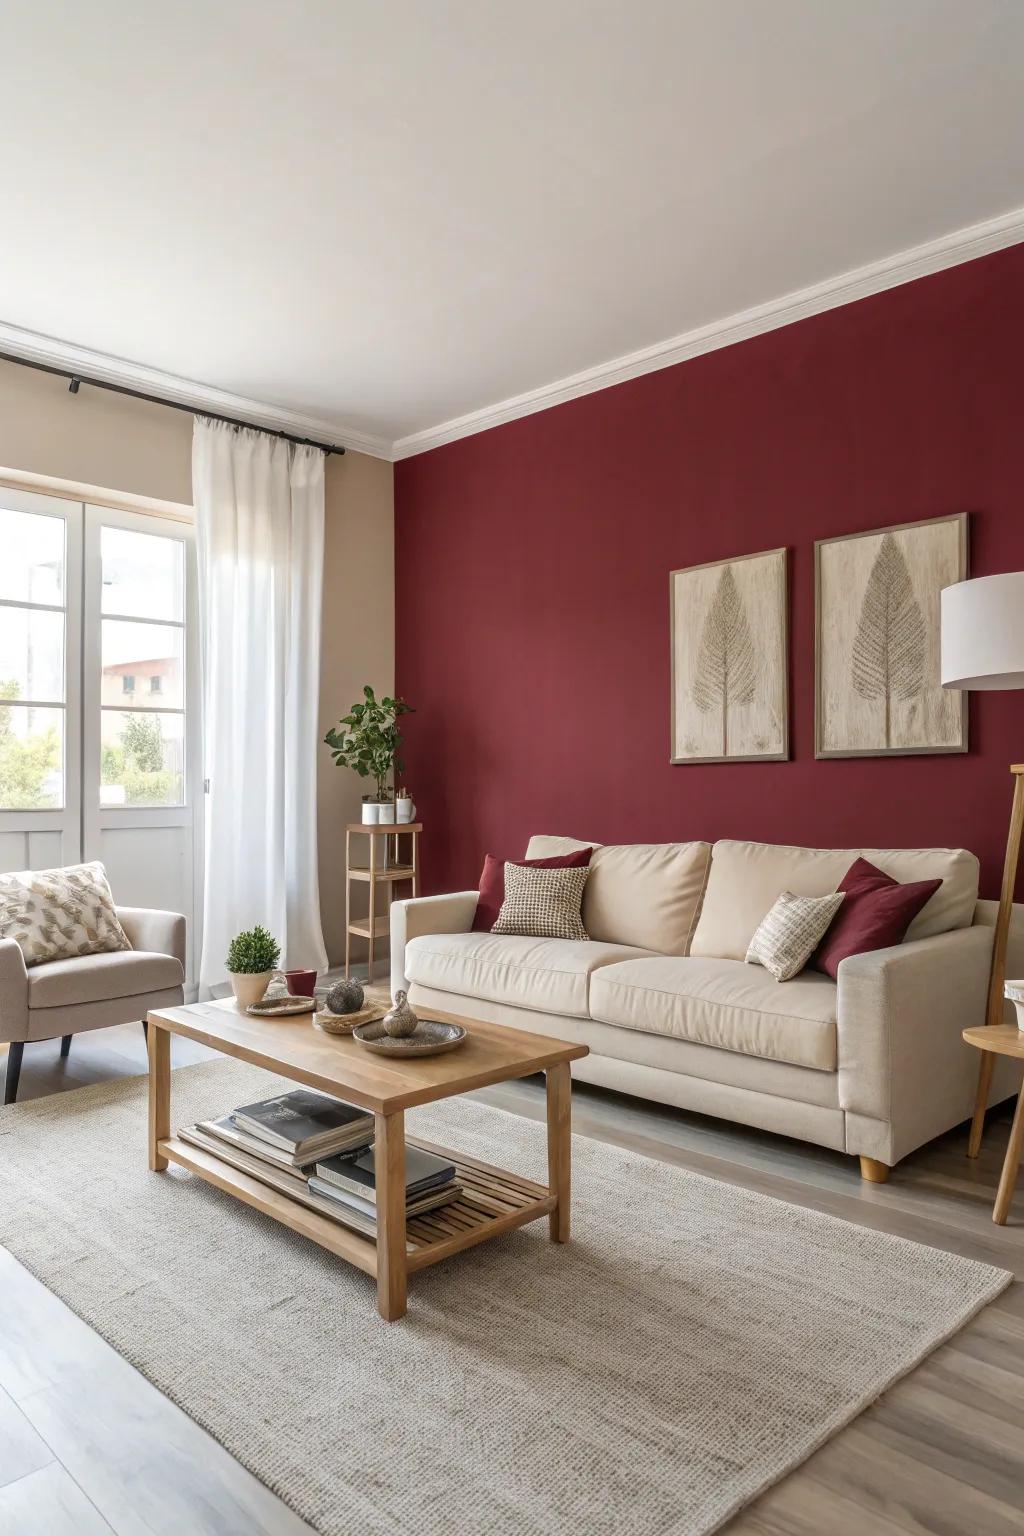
60	914
542	903
791	932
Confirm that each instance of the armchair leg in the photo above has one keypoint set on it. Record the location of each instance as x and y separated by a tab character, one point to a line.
15	1051
872	1171
65	1044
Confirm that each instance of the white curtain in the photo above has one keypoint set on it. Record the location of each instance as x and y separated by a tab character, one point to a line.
259	504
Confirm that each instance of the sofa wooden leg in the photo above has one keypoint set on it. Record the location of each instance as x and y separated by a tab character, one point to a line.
65	1044
872	1171
15	1051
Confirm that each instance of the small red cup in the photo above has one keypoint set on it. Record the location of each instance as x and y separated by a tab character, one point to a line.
301	983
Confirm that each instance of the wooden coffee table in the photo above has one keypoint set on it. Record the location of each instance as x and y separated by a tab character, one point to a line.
493	1200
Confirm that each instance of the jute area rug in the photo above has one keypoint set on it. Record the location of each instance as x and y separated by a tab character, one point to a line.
693	1344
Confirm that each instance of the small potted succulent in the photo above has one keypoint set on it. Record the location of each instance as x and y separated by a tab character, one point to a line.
252	959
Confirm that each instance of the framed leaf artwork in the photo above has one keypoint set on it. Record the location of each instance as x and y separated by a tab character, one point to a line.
730	665
877	688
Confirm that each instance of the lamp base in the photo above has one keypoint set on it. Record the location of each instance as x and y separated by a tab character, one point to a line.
997	974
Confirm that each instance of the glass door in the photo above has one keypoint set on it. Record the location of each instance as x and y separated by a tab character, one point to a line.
140	720
99	691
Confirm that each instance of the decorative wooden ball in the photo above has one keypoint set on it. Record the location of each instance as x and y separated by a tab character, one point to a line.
345	997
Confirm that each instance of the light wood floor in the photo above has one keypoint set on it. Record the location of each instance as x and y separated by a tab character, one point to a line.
88	1446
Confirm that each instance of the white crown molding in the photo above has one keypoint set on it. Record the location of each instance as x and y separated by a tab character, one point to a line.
921	260
36	348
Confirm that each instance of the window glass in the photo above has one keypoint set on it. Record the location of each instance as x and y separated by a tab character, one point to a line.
142	758
143	574
32	655
137	655
31	758
32	567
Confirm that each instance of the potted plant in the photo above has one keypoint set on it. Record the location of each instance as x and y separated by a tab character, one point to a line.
368	740
252	958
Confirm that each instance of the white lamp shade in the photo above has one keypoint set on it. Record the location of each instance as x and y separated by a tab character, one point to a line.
982	639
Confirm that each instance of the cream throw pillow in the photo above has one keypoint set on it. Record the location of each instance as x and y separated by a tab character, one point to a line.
791	932
60	914
542	903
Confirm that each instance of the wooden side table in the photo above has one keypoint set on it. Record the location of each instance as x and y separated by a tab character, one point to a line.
386	866
1001	1040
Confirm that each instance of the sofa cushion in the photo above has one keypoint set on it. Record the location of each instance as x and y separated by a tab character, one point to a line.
60	914
876	913
542	903
722	1003
96	978
791	931
492	883
647	894
747	878
550	974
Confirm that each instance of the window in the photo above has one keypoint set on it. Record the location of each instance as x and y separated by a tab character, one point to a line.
33	703
142	735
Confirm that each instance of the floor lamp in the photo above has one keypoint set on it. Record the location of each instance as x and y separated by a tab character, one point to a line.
982	646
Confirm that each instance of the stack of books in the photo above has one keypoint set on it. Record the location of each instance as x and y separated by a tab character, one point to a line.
282	1141
287	1134
349	1184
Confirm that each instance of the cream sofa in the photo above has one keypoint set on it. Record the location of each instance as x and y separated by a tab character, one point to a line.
873	1065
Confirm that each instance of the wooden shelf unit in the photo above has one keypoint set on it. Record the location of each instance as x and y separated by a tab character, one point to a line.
388	871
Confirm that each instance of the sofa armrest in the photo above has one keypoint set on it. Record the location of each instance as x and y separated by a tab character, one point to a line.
452	913
13	992
158	933
900	1013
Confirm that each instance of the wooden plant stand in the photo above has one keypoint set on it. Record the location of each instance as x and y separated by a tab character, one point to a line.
385	866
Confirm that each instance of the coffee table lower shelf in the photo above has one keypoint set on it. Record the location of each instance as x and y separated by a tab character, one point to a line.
492	1201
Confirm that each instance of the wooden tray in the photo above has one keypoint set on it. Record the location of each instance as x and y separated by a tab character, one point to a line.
280	1007
345	1023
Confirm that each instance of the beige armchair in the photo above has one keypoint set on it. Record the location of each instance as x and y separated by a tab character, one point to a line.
68	996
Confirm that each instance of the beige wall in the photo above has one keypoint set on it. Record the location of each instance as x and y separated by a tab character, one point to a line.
96	436
358	647
126	445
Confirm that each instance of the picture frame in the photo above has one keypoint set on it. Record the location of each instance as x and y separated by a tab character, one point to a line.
876	640
730	634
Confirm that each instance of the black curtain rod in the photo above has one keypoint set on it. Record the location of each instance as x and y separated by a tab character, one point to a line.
76	379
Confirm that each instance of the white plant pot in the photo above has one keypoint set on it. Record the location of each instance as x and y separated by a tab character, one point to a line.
1014	990
370	809
386	813
249	986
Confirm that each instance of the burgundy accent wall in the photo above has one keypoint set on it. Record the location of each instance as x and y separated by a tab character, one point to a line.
532	567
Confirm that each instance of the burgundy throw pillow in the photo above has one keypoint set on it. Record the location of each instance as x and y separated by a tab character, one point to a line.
877	912
492	882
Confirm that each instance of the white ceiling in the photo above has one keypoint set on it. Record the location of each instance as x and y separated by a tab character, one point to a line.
382	216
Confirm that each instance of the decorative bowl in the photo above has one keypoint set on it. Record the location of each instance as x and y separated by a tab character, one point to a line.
1014	990
430	1038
